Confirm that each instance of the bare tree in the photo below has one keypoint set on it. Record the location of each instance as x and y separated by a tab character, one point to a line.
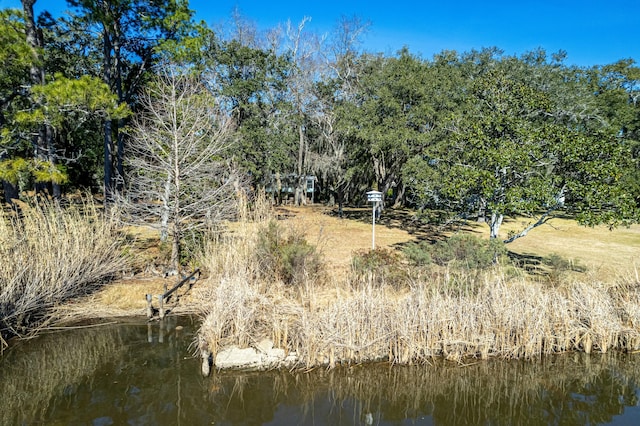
328	157
180	180
342	53
303	49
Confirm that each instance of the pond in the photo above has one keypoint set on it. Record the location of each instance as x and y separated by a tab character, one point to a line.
138	373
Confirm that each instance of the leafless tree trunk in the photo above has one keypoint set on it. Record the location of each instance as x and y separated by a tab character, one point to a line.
179	180
328	158
303	52
44	149
108	123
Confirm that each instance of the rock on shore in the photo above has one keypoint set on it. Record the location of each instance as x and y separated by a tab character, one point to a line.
261	357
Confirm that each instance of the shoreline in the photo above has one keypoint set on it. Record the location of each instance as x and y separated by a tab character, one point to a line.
515	320
287	342
380	311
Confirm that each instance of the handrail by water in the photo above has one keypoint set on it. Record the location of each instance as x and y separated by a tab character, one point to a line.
181	283
164	296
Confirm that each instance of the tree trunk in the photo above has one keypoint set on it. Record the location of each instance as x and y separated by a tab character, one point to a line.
482	211
494	226
108	189
177	231
300	197
399	195
332	198
340	197
164	217
175	248
108	128
36	72
277	190
10	191
119	178
43	142
55	187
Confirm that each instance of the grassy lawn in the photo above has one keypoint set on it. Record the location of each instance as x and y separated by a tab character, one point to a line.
605	253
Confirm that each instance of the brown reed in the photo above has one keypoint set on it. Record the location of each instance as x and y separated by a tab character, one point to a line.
51	254
494	313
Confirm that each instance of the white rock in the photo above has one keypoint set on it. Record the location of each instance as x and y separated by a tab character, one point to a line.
263	357
234	357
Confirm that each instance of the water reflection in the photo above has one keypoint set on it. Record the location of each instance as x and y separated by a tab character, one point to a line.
140	373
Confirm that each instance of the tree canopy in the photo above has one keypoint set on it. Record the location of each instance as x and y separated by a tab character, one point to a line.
479	134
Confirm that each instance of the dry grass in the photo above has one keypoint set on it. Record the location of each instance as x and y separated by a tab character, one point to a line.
341	316
344	320
505	319
607	254
338	239
50	255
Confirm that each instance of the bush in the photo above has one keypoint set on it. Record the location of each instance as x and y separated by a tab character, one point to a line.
381	266
418	253
464	250
300	260
192	246
289	258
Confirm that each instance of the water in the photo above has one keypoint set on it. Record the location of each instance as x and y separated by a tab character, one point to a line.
134	373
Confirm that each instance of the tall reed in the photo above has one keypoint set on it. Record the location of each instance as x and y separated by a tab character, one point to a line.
365	318
241	301
51	254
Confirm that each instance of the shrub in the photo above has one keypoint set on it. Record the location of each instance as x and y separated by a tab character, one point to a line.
300	260
289	258
418	253
267	249
462	250
192	246
380	266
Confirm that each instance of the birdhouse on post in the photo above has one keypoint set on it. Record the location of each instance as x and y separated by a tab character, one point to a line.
374	197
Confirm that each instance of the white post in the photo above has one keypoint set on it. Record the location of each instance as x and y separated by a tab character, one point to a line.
373	226
375	197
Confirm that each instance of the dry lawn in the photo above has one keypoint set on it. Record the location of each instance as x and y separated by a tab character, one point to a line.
339	238
607	254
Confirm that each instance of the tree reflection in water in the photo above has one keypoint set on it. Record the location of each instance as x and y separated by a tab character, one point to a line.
145	374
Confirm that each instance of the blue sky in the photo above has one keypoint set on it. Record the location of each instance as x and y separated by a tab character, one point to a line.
593	32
